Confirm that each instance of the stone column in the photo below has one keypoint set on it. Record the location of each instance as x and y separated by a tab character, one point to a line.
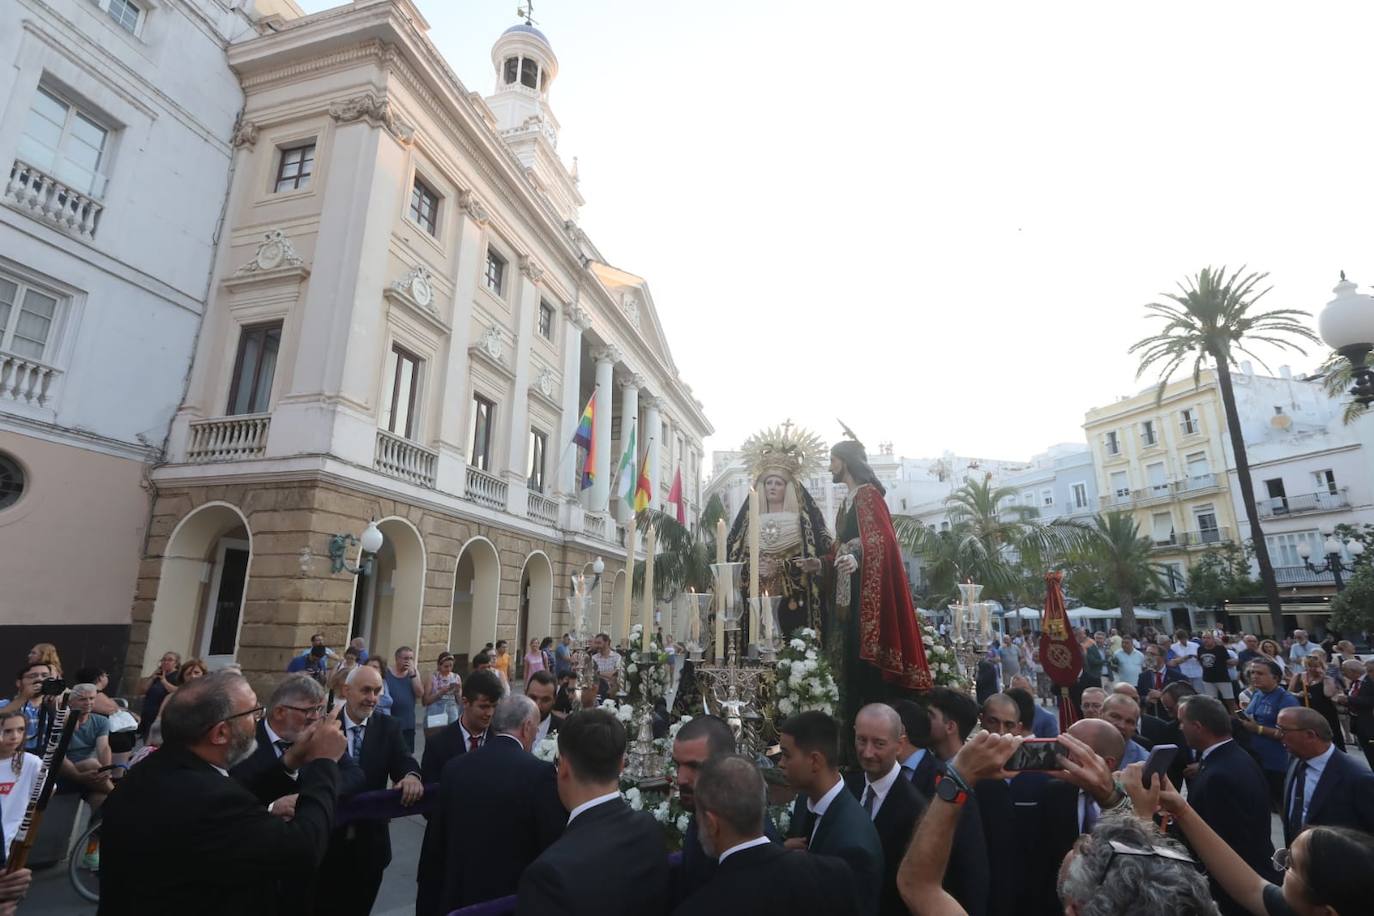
629	417
456	404
606	358
653	434
518	434
567	475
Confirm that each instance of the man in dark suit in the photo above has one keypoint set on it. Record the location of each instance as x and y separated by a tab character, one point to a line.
543	690
754	875
1229	791
1323	786
602	833
1361	704
1149	686
891	801
270	772
498	810
359	853
212	840
481	692
952	717
826	819
918	762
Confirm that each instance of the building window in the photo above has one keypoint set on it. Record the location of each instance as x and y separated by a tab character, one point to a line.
1112	444
483	425
398	412
1283	548
1028	498
1208	532
27	316
1188	421
424	206
1080	495
512	69
546	321
295	167
11	481
1175	579
64	142
123	12
529	73
496	271
256	363
1199	469
1047	498
1121	487
1326	481
1147	432
539	445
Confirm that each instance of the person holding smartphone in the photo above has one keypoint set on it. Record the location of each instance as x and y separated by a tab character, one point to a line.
403	682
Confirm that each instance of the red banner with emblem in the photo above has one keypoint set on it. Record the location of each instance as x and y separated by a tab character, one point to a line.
1060	652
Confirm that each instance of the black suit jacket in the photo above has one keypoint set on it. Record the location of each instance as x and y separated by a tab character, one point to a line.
1231	794
176	829
846	832
1143	685
895	823
970	881
263	774
923	777
609	839
772	881
1045	823
1344	797
695	868
440	749
513	796
1362	711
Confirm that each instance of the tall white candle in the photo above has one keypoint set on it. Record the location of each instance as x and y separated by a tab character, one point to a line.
629	578
649	544
721	589
753	564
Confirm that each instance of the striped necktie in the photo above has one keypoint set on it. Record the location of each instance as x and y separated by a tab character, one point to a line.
355	741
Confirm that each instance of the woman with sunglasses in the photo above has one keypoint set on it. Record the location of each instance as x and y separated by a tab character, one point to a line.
1327	871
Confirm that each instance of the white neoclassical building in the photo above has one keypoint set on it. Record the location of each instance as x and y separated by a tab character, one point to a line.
115	118
405	322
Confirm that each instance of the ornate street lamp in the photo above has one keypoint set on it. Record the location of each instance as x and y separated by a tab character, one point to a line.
369	543
1333	563
1347	326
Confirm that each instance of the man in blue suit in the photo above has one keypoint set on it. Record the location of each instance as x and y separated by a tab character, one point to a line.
826	819
1323	786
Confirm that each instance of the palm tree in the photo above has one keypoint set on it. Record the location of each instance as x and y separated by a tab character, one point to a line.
682	558
1337	375
1213	317
1121	557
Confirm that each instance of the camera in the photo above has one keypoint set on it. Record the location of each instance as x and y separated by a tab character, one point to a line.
53	687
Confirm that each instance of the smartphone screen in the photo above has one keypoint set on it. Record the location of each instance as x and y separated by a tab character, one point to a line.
1036	754
1158	763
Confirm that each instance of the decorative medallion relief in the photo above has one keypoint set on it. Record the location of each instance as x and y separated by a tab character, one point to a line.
376	111
418	285
274	251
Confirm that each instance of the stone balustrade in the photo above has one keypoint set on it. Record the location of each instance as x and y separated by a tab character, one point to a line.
485	489
44	197
25	380
399	457
228	438
543	509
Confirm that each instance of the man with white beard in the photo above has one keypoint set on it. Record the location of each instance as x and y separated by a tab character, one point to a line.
178	828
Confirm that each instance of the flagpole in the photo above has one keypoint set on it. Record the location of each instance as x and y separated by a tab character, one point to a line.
571	446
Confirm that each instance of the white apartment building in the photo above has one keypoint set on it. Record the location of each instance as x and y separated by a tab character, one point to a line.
115	124
404	324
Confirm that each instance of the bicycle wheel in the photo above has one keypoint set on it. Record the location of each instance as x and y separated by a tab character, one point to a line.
83	864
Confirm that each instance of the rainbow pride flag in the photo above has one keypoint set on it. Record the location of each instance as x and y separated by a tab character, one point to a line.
585	437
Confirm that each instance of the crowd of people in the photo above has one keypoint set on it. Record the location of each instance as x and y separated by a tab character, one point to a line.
939	806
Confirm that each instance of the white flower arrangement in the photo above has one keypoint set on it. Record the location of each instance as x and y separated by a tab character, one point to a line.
804	680
945	669
654	677
547	750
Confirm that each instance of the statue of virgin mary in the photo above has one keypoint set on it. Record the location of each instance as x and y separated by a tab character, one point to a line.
792	532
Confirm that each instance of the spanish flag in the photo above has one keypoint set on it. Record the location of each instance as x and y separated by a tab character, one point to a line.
585	437
642	494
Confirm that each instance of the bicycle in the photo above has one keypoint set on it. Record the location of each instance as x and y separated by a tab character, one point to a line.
83	864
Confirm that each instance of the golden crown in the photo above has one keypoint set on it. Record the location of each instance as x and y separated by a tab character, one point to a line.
791	450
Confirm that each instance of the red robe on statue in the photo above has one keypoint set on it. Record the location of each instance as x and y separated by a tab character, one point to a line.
889	636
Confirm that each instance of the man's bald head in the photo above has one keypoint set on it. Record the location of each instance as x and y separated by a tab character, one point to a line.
880	714
1001	715
1020	680
1126	689
877	739
1091	702
1102	737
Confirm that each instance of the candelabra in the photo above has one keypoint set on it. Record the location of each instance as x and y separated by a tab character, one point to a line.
731	688
972	626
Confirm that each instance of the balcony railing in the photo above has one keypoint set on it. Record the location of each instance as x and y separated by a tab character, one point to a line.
1321	501
594	524
543	509
1156	492
1200	482
399	457
26	380
228	438
1301	575
1206	537
485	489
46	198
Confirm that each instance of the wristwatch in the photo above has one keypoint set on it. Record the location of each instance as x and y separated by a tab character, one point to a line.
950	787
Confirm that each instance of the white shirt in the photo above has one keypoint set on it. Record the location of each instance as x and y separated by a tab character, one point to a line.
747	844
820	807
1315	767
599	800
881	787
273	738
468	736
543	732
1190	667
1300	650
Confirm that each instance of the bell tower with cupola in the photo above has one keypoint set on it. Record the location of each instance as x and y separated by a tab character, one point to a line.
525	70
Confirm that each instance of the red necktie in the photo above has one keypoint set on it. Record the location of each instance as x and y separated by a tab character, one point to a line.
1355	688
474	742
1159	680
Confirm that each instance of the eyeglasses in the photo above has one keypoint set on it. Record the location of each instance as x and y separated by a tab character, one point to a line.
1156	852
257	712
1282	860
310	712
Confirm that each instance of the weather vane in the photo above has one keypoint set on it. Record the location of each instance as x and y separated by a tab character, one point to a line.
526	12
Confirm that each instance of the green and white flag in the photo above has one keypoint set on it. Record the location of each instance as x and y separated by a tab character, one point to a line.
625	472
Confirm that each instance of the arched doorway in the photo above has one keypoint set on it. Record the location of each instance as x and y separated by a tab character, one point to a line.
388	604
199	606
476	591
536	603
612	626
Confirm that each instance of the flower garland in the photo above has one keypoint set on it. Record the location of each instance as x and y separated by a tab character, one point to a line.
945	670
805	681
647	680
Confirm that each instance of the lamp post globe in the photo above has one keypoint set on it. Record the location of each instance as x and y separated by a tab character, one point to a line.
372	539
1305	550
1332	547
1356	548
1347	326
598	566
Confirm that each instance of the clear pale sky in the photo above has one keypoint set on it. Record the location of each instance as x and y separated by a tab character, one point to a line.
940	222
